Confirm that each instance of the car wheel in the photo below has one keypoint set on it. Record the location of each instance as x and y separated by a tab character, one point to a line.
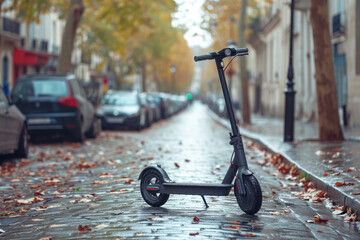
95	128
23	146
148	121
79	135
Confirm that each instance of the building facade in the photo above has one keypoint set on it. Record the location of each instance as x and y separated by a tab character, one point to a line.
33	48
270	43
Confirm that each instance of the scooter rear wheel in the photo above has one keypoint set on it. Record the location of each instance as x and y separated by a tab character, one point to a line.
251	202
152	178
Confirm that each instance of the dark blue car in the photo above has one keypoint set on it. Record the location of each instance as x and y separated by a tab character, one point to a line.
55	104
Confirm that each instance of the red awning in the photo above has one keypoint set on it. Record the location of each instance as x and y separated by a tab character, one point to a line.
28	58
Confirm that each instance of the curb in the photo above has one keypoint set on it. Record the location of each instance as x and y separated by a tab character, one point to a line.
269	144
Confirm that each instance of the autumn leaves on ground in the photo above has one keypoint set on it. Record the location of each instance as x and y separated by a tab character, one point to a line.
67	174
70	190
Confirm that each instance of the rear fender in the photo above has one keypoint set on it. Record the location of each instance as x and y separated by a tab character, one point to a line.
158	169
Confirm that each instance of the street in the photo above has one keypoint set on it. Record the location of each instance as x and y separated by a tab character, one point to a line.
67	190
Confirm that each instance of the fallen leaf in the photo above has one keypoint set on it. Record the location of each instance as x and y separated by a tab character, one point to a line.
176	165
196	219
38	194
274	213
84	228
320	231
286	211
338	212
310	221
129	181
340	184
102	226
25	201
321	194
318	219
236	227
46	238
284	170
355	193
236	223
249	235
187	160
37	219
156	219
22	210
351	218
56	225
325	174
194	234
254	224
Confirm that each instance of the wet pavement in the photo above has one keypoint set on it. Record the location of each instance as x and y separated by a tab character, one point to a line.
333	166
90	191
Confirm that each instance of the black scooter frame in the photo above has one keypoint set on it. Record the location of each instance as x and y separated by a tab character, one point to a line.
238	165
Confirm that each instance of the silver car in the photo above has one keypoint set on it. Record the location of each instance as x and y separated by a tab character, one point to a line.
13	130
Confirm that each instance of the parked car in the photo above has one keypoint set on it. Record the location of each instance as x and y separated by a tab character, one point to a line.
155	106
13	131
144	101
55	104
122	108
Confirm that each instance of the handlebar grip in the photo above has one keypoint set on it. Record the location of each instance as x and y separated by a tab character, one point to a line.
241	50
203	57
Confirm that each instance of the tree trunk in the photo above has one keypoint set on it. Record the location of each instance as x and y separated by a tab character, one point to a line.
245	110
143	75
329	123
75	12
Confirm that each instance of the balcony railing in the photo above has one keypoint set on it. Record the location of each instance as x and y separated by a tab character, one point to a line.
34	44
44	46
10	26
338	25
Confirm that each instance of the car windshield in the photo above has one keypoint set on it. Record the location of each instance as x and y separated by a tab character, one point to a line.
120	99
38	88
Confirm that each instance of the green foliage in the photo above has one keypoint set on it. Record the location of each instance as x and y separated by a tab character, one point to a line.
304	175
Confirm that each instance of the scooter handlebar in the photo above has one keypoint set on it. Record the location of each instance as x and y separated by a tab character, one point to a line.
226	52
241	50
203	57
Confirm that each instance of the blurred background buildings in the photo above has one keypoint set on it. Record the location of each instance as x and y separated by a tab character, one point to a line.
269	43
27	48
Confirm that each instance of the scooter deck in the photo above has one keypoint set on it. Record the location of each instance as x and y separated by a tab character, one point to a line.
196	189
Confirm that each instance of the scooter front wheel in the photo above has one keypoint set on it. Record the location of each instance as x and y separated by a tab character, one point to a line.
251	202
152	178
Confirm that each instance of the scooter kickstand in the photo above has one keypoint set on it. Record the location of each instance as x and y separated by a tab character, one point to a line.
203	198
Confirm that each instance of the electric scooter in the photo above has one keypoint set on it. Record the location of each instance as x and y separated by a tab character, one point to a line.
156	186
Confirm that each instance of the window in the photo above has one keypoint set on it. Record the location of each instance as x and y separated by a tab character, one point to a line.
122	99
40	88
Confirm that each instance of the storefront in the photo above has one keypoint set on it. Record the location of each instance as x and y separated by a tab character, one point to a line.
28	62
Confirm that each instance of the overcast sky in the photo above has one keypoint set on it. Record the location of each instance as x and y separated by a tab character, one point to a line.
190	14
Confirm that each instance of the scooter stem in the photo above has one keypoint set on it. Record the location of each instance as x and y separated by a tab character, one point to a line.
239	165
220	66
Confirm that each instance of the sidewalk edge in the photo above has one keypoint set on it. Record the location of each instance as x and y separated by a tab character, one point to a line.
335	194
